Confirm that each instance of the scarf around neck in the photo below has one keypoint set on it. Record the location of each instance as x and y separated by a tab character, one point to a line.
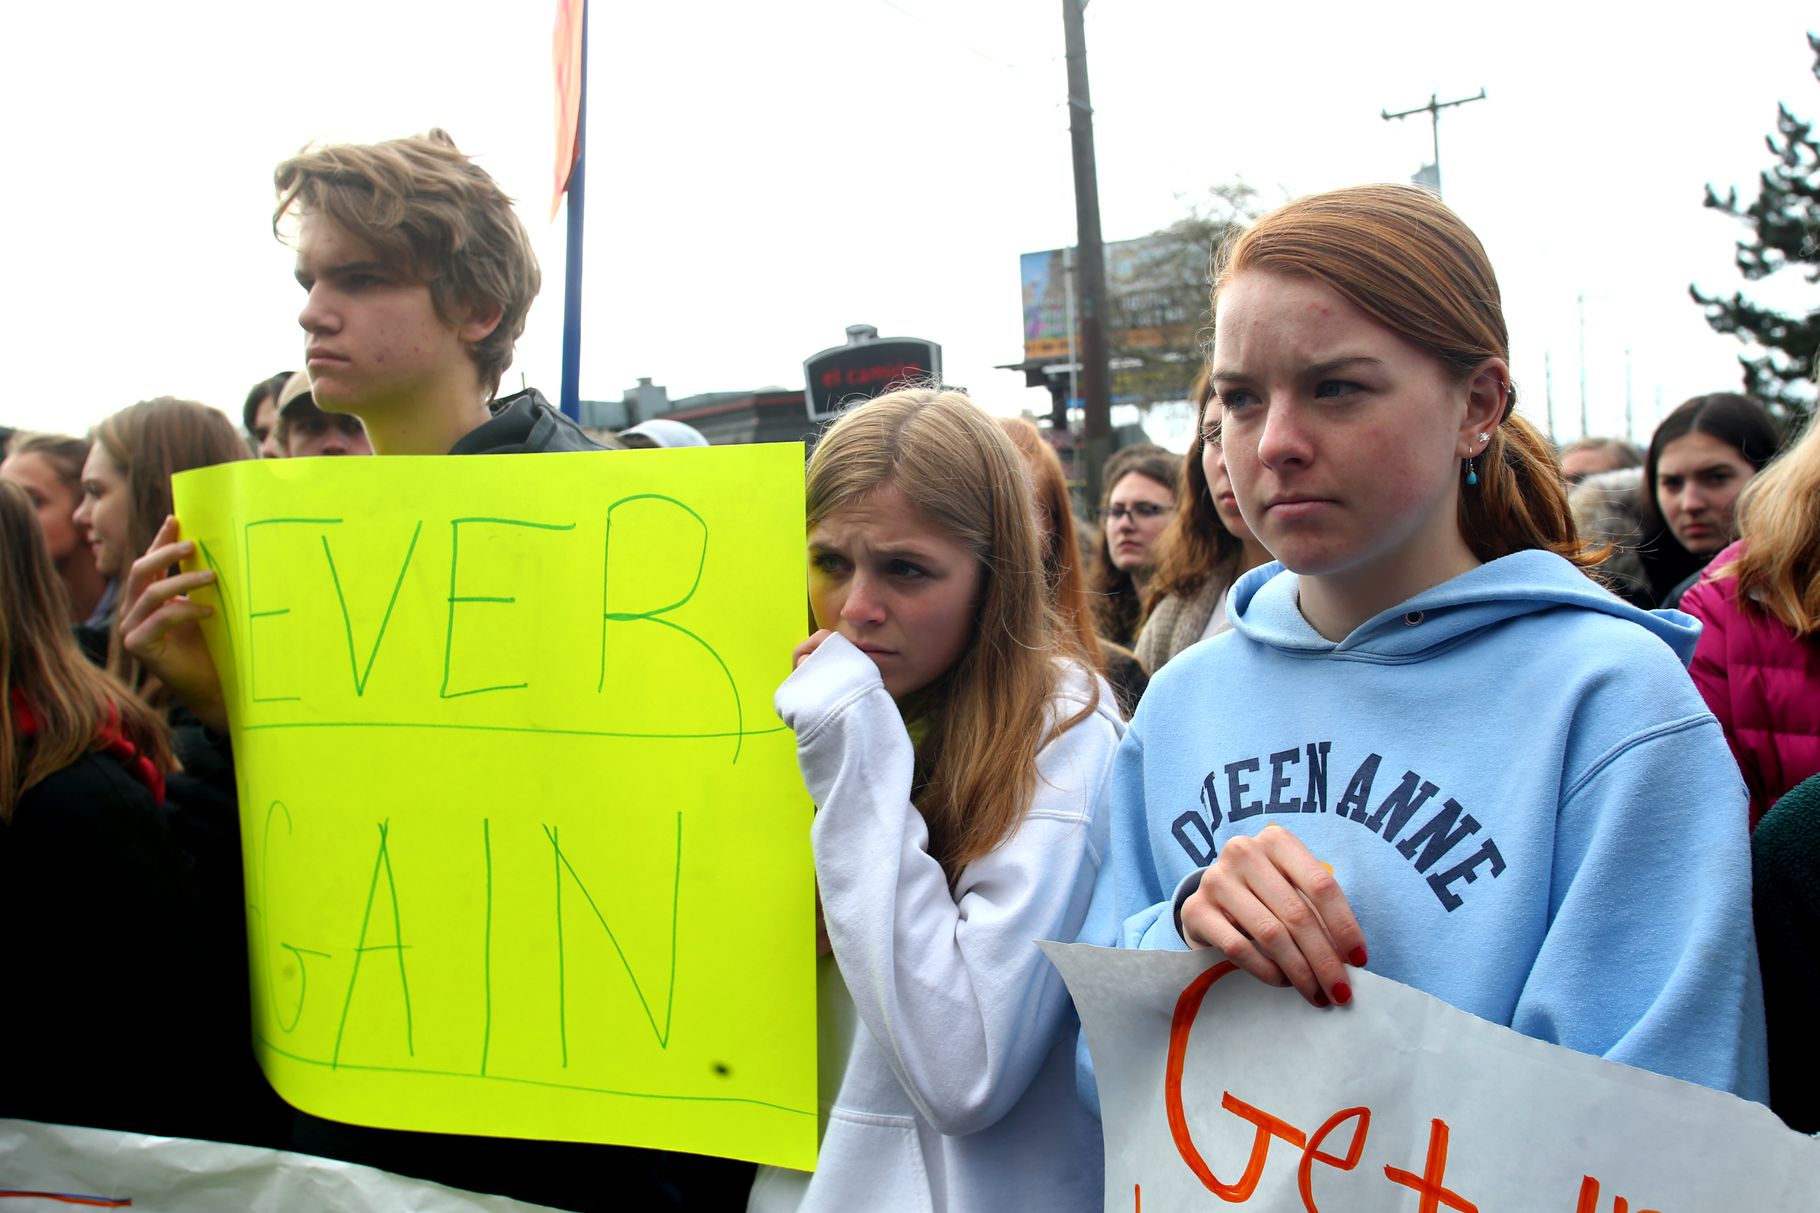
111	739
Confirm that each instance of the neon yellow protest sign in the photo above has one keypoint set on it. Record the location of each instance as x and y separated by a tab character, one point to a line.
526	846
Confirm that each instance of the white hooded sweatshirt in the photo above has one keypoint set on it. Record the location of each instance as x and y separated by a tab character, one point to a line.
946	1043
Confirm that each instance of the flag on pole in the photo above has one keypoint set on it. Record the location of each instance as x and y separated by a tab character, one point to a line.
568	93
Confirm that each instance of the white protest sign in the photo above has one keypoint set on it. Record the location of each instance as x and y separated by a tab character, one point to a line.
58	1167
1217	1090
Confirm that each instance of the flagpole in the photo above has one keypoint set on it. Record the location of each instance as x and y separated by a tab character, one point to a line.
578	210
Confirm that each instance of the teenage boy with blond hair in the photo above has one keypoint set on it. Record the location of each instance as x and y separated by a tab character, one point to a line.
418	278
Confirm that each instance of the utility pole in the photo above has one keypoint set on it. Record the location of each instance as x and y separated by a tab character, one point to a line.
1070	259
1090	259
1585	427
1548	392
1629	410
1433	110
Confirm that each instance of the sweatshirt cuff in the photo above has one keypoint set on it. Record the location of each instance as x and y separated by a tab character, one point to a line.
828	679
1188	885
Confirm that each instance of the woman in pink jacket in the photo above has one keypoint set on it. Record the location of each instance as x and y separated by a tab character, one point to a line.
1758	661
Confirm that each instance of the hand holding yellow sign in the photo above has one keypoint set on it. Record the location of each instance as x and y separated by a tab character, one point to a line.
526	850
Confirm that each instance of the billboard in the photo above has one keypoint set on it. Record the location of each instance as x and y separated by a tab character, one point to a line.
1156	307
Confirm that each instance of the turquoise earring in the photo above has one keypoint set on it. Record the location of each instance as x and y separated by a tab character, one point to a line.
1472	475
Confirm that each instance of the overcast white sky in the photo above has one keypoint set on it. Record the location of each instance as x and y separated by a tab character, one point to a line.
762	175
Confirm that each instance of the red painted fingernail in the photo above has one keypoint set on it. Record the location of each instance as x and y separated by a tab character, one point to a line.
1320	999
1357	957
1342	993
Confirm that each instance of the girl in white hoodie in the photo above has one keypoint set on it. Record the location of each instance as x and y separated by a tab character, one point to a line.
956	747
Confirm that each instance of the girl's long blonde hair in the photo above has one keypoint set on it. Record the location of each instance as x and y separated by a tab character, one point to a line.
987	716
71	702
1778	567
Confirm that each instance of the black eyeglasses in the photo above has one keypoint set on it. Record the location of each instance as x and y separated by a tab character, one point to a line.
1137	509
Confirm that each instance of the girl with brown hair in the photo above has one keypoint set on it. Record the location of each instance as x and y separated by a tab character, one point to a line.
60	708
1061	545
1062	567
1429	742
49	468
126	497
955	751
1201	553
1700	460
94	892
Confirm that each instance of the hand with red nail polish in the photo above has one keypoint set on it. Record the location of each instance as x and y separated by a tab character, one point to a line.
1278	913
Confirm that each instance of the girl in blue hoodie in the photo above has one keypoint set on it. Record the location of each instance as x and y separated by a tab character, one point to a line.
1430	742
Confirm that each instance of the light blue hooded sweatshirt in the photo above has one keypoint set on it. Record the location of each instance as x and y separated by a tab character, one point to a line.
1521	793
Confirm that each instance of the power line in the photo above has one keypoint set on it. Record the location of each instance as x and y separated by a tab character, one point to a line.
964	45
1433	110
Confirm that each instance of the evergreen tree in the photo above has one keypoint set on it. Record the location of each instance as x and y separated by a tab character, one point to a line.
1784	225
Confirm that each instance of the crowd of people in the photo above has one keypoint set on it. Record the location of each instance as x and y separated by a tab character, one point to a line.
1374	676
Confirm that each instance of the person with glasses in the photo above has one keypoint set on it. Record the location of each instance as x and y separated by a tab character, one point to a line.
1140	500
